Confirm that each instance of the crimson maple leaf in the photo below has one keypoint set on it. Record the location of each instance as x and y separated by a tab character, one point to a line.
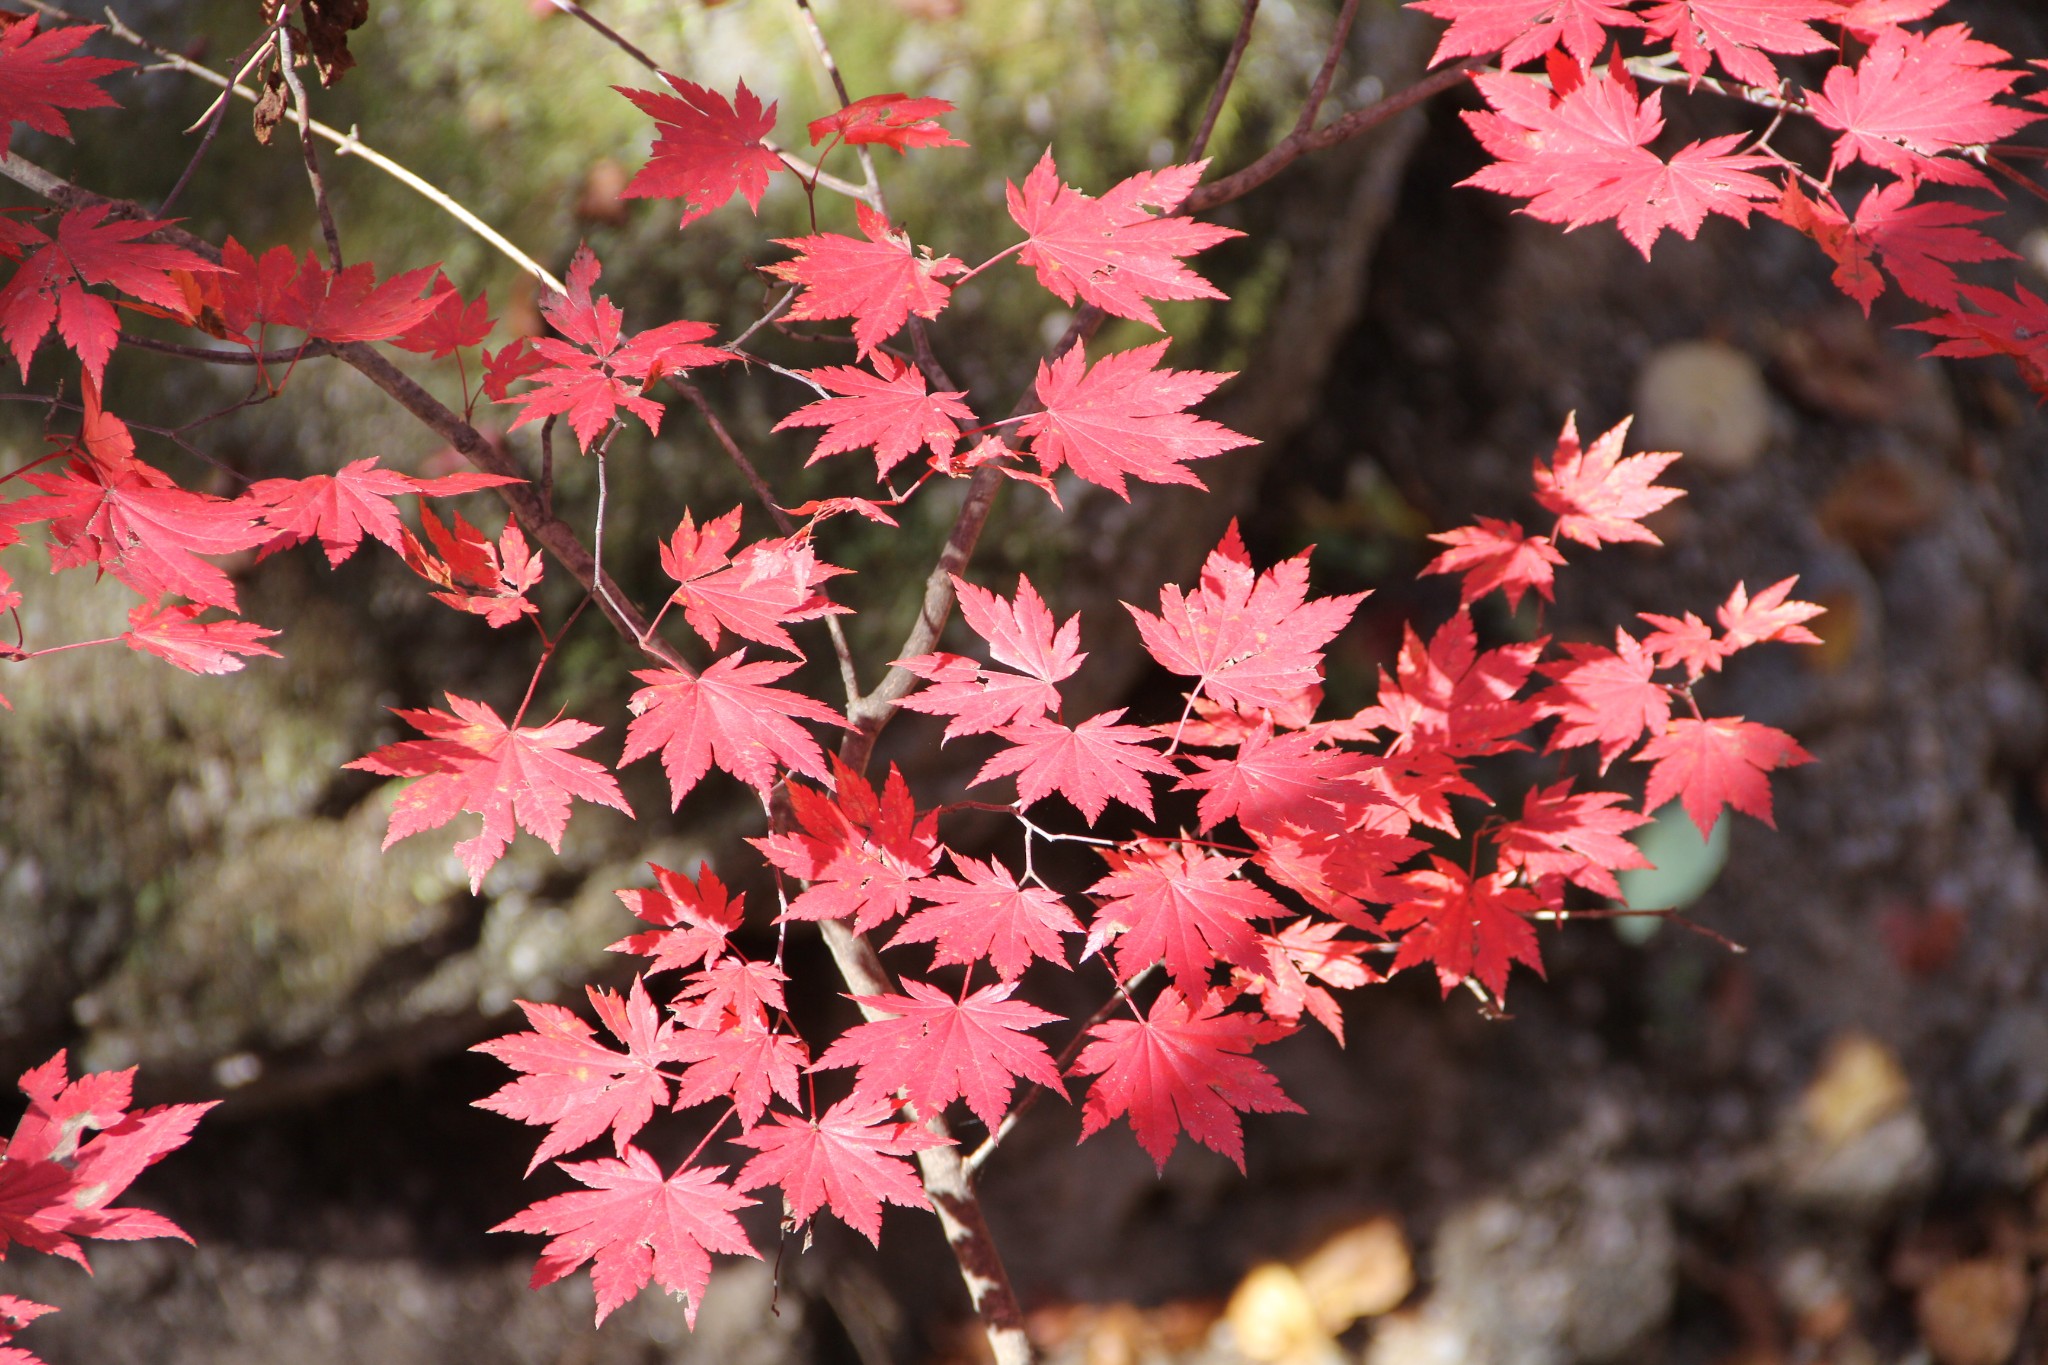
744	1062
1688	642
176	635
132	522
475	575
49	289
341	508
1604	696
846	1160
936	1049
859	853
1091	764
734	993
754	593
1276	780
1295	959
1915	98
15	1314
1450	697
1184	907
1251	639
637	1225
1767	616
2014	324
1497	554
988	916
39	78
281	290
894	120
708	148
451	327
472	761
1584	156
1708	764
1124	416
1918	242
75	1151
1019	633
693	919
1599	495
1576	837
1738	32
1180	1069
1110	251
1465	926
889	409
600	369
878	283
1522	29
575	1084
727	715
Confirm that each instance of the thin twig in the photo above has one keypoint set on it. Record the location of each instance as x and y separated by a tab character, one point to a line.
1297	145
1320	91
305	118
215	116
610	34
214	355
1199	143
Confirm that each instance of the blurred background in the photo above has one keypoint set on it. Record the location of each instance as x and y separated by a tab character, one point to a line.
1832	1147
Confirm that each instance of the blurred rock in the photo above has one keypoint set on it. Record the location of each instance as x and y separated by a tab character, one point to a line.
1855	1144
1707	400
1361	1272
1272	1319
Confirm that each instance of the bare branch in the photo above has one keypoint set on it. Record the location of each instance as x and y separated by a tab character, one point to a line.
1320	91
1199	143
305	118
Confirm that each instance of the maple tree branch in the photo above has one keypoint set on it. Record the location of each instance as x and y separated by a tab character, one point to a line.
1199	143
1297	145
345	144
1320	91
556	536
215	117
610	34
214	355
312	154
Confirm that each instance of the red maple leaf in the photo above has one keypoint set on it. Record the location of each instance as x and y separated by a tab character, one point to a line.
1252	640
936	1049
176	635
889	409
573	1083
1451	697
1497	554
452	326
708	149
893	120
283	290
1584	156
600	369
1869	19
1914	98
1767	616
1522	29
1466	927
49	289
1738	32
1180	1070
1917	242
474	574
744	1062
1090	764
133	523
510	363
1276	780
734	993
878	283
693	919
1124	416
1599	495
1605	697
1110	251
754	593
1708	764
860	853
727	715
75	1151
15	1314
1687	642
472	761
2014	324
341	508
847	1160
1184	907
1019	633
1297	957
637	1226
988	915
39	78
1576	837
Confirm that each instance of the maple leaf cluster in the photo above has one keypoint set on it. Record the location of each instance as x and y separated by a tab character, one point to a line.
74	1153
1923	111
